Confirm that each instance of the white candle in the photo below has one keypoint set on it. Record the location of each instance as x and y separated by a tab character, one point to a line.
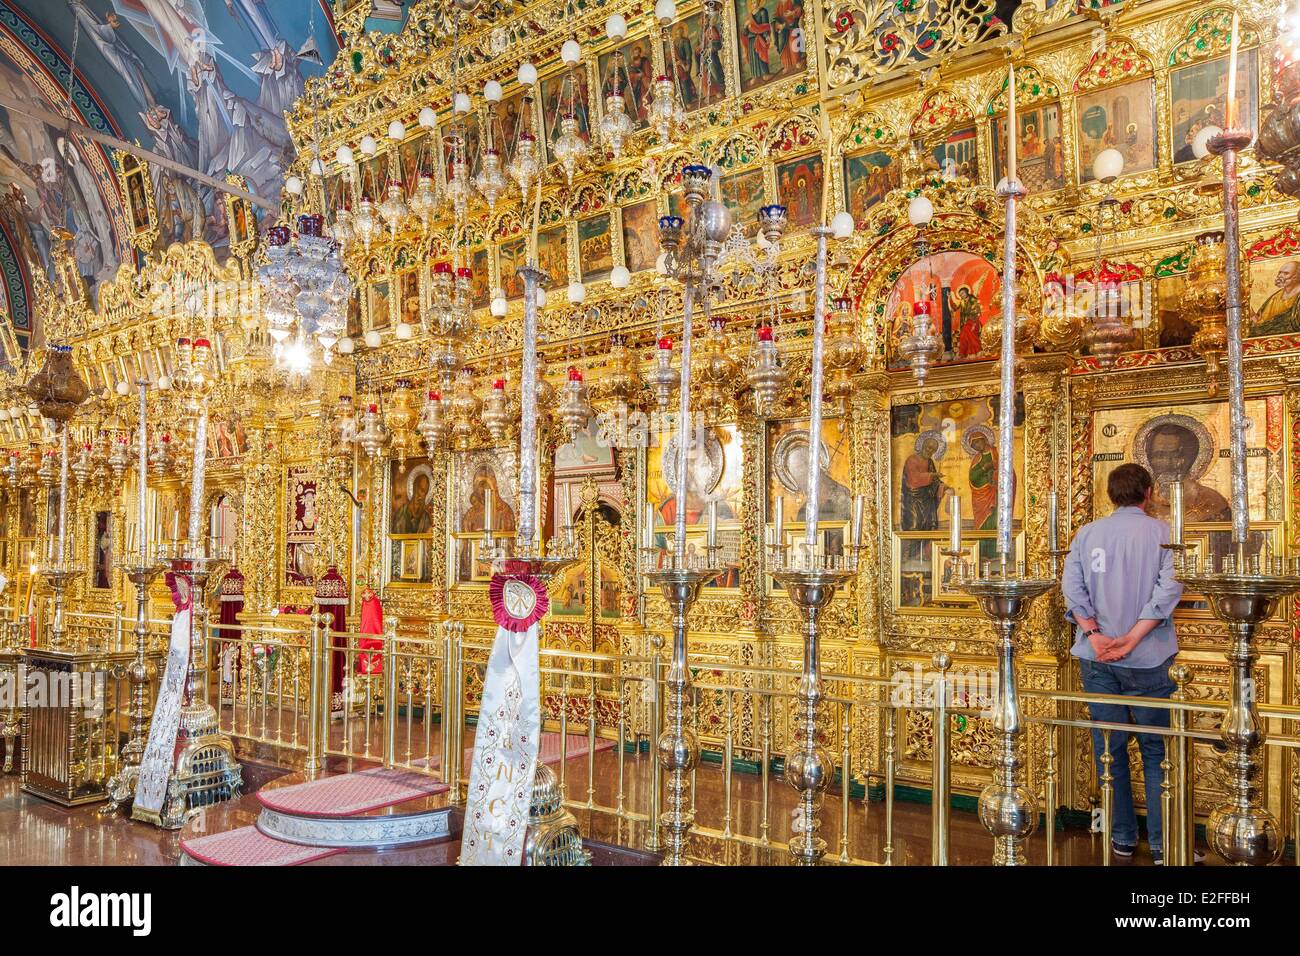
1230	108
487	510
712	540
649	524
1011	123
1176	512
954	522
566	505
859	505
1053	519
176	524
780	521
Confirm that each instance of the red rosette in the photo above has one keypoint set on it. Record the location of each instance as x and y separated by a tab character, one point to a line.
501	608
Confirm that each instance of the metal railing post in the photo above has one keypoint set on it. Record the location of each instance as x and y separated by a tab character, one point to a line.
390	691
315	679
939	766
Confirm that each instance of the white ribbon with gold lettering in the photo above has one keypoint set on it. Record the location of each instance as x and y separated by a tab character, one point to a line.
505	753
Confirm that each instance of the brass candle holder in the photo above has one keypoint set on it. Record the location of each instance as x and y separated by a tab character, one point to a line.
811	580
141	572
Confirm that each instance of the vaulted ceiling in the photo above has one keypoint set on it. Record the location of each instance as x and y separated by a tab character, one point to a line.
204	82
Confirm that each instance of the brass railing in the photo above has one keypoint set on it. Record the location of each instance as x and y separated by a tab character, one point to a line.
409	701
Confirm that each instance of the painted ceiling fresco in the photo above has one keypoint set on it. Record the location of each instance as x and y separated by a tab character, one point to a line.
203	82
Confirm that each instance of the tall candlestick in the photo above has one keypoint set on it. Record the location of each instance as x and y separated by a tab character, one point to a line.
815	394
63	495
712	535
1007	388
1176	512
1011	122
954	522
683	425
142	471
1053	518
779	522
1230	108
199	469
527	524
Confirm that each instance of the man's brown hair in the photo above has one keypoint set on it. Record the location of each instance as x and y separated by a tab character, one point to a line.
1128	485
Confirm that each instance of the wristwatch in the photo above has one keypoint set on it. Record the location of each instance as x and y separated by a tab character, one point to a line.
1095	630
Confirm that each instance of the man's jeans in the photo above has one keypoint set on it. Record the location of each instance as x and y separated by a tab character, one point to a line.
1099	678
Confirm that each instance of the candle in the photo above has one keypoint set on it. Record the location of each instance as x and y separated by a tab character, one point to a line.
779	532
954	522
487	511
859	505
566	503
1011	123
130	538
1053	518
1230	108
1176	512
176	525
142	472
649	524
712	537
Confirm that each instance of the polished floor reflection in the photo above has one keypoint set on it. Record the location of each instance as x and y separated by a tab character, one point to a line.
34	832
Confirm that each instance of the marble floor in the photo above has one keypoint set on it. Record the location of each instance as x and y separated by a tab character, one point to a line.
35	832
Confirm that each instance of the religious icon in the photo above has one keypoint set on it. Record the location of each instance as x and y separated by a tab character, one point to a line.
300	525
1174	327
799	189
788	454
586	454
452	135
553	254
960	287
958	155
1120	117
26	513
713	471
408	298
103	550
513	112
480	279
377	299
695	61
772	42
915	572
1274	296
1197	95
410	508
640	236
742	193
867	180
559	98
637	84
1040	150
595	251
512	256
949	448
480	480
1185	443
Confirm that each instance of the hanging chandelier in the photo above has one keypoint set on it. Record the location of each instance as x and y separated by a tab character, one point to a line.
306	289
496	413
570	148
616	126
764	372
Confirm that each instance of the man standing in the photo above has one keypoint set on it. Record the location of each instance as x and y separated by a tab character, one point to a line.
1120	592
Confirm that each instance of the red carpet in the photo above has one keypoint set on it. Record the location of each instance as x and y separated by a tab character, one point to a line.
248	846
549	752
350	793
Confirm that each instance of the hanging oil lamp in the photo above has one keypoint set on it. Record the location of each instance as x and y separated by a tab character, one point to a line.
394	208
433	421
464	409
716	371
1205	303
844	354
623	382
48	473
424	201
570	147
13	468
491	180
83	466
496	412
372	436
525	166
663	378
400	421
365	225
1110	333
575	409
616	126
764	372
160	456
921	346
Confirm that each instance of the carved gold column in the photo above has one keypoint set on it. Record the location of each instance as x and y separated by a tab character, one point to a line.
259	559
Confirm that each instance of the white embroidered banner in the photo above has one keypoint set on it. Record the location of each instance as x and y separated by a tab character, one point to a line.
160	751
509	728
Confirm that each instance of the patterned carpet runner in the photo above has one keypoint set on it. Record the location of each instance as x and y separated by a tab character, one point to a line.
248	846
350	793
